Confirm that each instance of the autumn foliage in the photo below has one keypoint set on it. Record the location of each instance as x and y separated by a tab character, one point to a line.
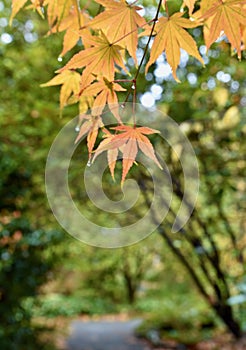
112	36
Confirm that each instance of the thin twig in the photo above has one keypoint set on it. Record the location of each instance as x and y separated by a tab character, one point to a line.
146	48
148	42
134	87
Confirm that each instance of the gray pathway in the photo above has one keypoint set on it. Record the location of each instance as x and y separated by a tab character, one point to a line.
105	335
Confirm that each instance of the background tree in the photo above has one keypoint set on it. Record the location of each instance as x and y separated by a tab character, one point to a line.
212	232
214	119
25	261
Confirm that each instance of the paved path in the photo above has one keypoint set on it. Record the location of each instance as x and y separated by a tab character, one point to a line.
105	335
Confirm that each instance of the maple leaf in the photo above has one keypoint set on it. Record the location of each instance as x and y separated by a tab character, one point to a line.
170	37
129	141
18	4
112	154
197	16
57	10
70	81
89	126
120	21
100	58
85	103
190	4
105	93
243	29
226	16
72	26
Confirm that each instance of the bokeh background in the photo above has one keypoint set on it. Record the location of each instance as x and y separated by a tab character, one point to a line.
189	286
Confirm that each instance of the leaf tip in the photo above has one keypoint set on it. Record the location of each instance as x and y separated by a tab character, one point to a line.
177	80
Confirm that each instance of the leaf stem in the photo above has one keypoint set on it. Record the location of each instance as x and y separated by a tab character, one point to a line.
123	81
166	9
134	2
85	7
134	87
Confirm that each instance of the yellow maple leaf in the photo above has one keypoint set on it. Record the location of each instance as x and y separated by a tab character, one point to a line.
70	81
57	10
170	37
225	16
120	20
101	58
72	25
17	5
190	4
204	6
105	93
85	103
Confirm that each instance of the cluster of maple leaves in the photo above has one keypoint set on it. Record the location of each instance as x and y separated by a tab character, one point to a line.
113	34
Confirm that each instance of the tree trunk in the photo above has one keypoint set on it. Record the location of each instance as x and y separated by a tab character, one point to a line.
131	289
225	313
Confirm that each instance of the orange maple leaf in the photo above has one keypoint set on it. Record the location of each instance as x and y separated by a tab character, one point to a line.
105	93
120	20
99	59
170	37
70	81
129	141
243	29
89	126
226	16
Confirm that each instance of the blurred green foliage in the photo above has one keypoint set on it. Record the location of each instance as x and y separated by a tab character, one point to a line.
23	268
25	242
87	280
